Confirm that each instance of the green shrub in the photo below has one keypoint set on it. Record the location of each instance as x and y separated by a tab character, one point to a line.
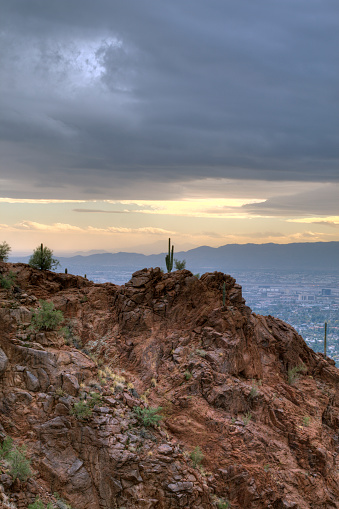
254	391
179	265
7	445
42	258
222	503
39	505
202	353
188	375
82	410
293	373
46	317
61	502
247	417
197	456
148	416
95	399
306	420
7	281
15	457
19	465
70	338
4	251
67	334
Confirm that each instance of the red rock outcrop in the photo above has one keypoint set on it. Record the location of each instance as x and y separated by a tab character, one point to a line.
261	405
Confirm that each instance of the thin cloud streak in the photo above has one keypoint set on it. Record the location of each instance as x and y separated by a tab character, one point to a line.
329	221
68	228
98	211
241	238
40	201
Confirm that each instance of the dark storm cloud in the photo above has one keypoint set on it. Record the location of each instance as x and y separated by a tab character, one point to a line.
97	94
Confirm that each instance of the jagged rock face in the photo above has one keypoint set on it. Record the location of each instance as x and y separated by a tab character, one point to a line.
220	373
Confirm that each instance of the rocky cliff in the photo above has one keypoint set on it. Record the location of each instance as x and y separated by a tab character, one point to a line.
243	389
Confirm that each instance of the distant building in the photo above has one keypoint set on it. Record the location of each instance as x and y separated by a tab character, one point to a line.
306	297
326	291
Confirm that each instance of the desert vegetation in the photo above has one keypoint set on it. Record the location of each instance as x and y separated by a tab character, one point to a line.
42	258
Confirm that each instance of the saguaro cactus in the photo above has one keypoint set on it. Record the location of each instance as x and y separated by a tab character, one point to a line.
169	257
42	258
224	293
325	338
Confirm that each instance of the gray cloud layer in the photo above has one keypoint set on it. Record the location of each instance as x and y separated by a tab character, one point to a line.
102	94
320	201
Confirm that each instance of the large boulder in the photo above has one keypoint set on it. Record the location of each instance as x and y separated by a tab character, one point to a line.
3	362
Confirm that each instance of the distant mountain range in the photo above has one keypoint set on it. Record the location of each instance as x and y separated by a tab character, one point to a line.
232	257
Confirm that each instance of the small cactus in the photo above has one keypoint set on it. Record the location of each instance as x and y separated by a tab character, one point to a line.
66	271
169	257
224	294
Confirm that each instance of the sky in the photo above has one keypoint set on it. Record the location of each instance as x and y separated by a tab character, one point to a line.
125	122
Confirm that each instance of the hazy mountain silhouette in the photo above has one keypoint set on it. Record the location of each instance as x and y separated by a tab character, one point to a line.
232	257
